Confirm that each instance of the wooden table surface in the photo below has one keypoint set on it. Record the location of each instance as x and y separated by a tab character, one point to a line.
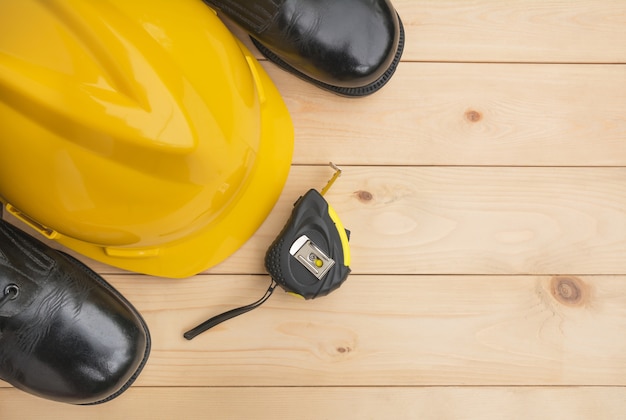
485	188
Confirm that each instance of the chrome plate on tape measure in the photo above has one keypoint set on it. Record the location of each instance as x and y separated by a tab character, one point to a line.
311	257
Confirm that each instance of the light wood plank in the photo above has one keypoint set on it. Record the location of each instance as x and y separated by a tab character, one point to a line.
387	331
457	220
332	403
407	220
515	30
466	114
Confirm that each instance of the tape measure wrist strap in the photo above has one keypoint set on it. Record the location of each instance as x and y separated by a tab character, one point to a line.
218	319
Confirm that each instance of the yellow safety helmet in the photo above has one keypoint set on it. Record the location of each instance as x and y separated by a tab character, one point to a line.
139	133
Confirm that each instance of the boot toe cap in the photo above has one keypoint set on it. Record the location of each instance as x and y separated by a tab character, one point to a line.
351	47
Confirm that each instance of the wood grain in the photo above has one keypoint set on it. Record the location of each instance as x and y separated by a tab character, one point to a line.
436	220
514	30
333	403
466	114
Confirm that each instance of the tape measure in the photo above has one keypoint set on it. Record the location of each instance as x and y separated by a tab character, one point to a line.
309	258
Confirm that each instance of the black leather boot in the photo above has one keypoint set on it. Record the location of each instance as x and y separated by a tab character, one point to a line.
350	47
65	333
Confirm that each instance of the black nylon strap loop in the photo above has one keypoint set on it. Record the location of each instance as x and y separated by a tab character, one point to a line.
218	319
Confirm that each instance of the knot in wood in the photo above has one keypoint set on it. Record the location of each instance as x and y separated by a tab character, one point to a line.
473	116
568	290
364	196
